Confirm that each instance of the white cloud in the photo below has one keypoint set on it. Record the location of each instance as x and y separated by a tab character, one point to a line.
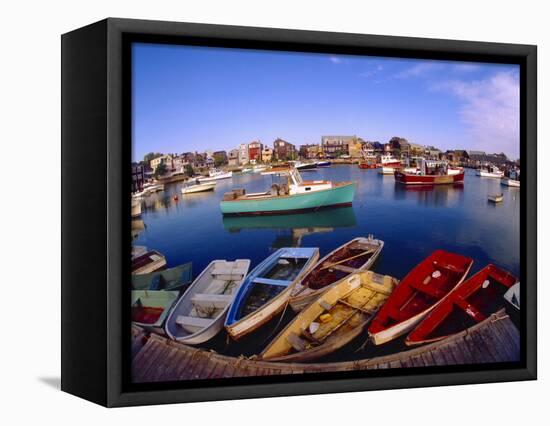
465	67
372	72
335	59
417	70
491	110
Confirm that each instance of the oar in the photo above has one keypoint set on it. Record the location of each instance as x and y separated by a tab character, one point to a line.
345	260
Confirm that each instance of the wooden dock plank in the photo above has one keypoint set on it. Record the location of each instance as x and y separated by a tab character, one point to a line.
162	360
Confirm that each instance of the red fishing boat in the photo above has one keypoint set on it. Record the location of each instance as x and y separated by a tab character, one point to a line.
430	172
418	293
471	302
367	165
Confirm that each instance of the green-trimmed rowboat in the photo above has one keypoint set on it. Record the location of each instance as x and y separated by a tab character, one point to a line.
295	195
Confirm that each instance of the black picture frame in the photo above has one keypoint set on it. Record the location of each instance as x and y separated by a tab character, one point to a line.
95	214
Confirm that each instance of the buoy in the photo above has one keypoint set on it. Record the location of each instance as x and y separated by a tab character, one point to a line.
175	198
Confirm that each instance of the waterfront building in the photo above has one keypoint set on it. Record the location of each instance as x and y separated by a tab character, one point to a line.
335	146
355	148
163	159
417	150
138	176
311	151
255	151
243	154
283	150
233	157
267	154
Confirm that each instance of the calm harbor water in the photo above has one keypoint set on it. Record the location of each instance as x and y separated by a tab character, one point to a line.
413	222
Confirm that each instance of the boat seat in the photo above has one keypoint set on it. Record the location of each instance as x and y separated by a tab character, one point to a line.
298	343
448	267
211	300
428	289
470	309
282	283
344	268
193	324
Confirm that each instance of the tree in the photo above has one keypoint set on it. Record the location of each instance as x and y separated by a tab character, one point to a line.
160	170
189	170
219	160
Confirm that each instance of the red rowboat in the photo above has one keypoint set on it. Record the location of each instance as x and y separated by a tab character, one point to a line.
365	165
418	293
471	302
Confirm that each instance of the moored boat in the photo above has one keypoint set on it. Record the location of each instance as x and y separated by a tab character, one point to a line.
333	320
430	172
323	163
200	313
389	161
418	293
174	278
506	181
199	187
136	208
387	170
266	290
148	262
365	164
496	198
354	256
292	195
215	175
471	302
490	171
304	166
150	308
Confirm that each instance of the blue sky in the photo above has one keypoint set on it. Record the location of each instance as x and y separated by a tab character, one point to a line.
196	98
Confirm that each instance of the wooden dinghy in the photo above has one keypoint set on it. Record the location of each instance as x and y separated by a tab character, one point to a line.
148	262
174	278
418	293
333	320
496	198
151	307
471	302
200	313
266	290
356	255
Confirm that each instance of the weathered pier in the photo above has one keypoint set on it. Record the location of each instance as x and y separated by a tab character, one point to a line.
156	358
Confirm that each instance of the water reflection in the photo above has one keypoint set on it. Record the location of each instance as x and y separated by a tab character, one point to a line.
290	229
434	195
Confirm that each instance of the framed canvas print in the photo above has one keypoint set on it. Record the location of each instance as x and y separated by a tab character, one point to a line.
253	212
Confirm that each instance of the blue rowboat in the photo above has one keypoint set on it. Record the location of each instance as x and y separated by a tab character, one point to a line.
294	195
266	290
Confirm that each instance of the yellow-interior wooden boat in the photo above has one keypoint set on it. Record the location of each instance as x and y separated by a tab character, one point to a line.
333	320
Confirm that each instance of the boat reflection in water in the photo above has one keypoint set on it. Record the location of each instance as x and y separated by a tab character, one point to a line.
293	227
138	226
430	195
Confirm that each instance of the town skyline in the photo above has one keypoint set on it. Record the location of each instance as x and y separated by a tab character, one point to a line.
188	99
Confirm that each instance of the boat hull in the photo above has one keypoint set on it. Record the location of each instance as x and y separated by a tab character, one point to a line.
509	182
489	174
412	179
345	325
301	299
199	188
240	327
341	195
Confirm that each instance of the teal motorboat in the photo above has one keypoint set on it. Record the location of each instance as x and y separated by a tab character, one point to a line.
292	194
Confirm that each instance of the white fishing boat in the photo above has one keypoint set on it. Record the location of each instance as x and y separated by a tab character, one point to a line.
490	171
215	175
151	187
200	313
512	179
200	187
